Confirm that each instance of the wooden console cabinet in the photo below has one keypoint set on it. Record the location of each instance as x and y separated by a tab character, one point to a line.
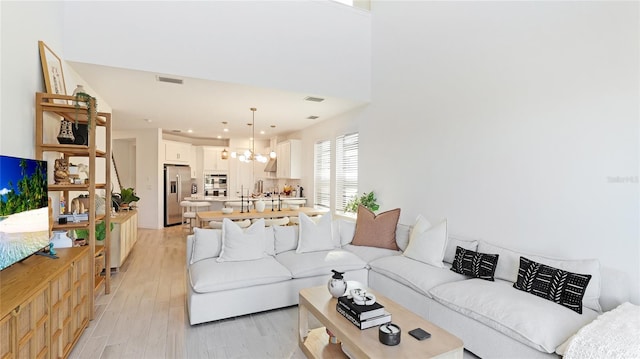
123	236
44	304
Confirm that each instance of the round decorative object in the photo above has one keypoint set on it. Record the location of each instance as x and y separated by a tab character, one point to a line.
389	334
65	136
61	240
337	285
259	204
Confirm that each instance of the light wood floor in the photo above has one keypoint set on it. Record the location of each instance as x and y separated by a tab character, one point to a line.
145	315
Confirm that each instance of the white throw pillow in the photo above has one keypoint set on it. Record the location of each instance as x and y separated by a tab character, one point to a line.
315	237
270	241
206	244
242	245
286	238
347	229
427	243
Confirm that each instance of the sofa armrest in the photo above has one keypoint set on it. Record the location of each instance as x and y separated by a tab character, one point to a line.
189	248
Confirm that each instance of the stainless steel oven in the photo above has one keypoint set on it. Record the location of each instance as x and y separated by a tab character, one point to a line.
215	184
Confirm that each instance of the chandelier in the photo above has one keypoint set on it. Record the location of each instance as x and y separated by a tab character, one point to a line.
249	155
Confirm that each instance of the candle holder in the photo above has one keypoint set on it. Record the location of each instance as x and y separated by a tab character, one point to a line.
272	203
279	202
241	199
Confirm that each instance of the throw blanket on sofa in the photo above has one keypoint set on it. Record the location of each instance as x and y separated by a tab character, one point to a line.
613	334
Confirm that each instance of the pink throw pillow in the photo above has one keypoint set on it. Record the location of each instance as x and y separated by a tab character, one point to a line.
376	231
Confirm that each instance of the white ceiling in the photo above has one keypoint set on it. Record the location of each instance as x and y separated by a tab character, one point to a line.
202	105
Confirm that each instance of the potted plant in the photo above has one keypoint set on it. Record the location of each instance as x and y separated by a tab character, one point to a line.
101	232
367	200
126	196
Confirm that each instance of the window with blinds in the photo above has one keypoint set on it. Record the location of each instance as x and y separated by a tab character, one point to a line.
322	174
346	170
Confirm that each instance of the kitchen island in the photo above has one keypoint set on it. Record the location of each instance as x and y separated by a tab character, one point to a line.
204	218
218	202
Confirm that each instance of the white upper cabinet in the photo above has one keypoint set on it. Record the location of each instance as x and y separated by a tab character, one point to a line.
289	154
177	152
212	159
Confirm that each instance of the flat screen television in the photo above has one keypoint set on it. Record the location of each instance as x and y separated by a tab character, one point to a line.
24	212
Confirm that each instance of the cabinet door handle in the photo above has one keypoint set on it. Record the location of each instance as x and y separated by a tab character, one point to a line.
16	311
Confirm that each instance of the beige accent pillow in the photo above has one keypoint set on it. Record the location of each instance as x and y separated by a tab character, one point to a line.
376	231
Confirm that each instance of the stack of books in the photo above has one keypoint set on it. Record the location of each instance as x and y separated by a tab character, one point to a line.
79	216
363	316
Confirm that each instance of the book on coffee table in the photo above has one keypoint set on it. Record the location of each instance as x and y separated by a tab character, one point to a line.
367	323
361	312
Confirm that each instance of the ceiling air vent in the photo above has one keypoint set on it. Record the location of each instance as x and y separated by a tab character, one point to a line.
170	80
312	117
313	99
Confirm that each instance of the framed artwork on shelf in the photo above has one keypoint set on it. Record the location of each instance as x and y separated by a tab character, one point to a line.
52	71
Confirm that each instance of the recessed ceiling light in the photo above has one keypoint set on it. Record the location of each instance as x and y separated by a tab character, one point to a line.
219	137
190	130
226	130
273	126
262	132
313	99
313	117
148	120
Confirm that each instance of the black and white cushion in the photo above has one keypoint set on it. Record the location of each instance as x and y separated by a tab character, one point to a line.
474	264
556	285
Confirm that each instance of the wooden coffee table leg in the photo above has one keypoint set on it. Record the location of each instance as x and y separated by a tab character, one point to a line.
303	323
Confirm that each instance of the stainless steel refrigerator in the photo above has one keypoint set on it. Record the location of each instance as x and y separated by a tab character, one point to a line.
177	186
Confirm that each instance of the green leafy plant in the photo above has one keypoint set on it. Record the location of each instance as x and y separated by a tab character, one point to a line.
128	195
91	106
101	231
368	200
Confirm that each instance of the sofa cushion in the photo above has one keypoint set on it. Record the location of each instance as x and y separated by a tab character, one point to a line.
209	275
509	264
376	231
561	287
311	264
531	320
314	236
402	236
416	275
427	242
369	254
475	264
454	242
242	244
346	230
206	244
286	238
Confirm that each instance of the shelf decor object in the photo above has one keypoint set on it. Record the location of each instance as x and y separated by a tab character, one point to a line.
52	71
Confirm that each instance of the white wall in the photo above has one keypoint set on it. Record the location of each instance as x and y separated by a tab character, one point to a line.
21	71
149	175
510	119
319	47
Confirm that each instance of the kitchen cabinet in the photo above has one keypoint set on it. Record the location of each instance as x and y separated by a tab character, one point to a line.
212	159
177	152
289	154
193	162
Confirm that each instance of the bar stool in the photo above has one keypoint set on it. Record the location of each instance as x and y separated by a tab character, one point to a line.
187	213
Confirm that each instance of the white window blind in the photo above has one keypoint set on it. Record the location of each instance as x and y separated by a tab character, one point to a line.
346	170
322	174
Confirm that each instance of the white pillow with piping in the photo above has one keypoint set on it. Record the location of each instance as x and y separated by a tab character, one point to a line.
315	237
242	244
427	243
207	243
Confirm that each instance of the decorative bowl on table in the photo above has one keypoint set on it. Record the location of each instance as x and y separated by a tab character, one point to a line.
227	210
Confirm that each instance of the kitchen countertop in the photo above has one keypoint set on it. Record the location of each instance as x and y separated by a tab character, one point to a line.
237	199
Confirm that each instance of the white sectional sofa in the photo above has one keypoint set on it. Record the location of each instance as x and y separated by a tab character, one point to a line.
493	319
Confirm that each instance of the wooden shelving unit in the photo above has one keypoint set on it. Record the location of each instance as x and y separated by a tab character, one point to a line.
62	106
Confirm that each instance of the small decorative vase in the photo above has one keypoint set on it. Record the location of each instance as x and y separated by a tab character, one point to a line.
337	285
259	204
65	136
79	90
61	240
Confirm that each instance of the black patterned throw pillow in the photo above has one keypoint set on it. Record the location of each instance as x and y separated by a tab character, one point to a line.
556	285
474	264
